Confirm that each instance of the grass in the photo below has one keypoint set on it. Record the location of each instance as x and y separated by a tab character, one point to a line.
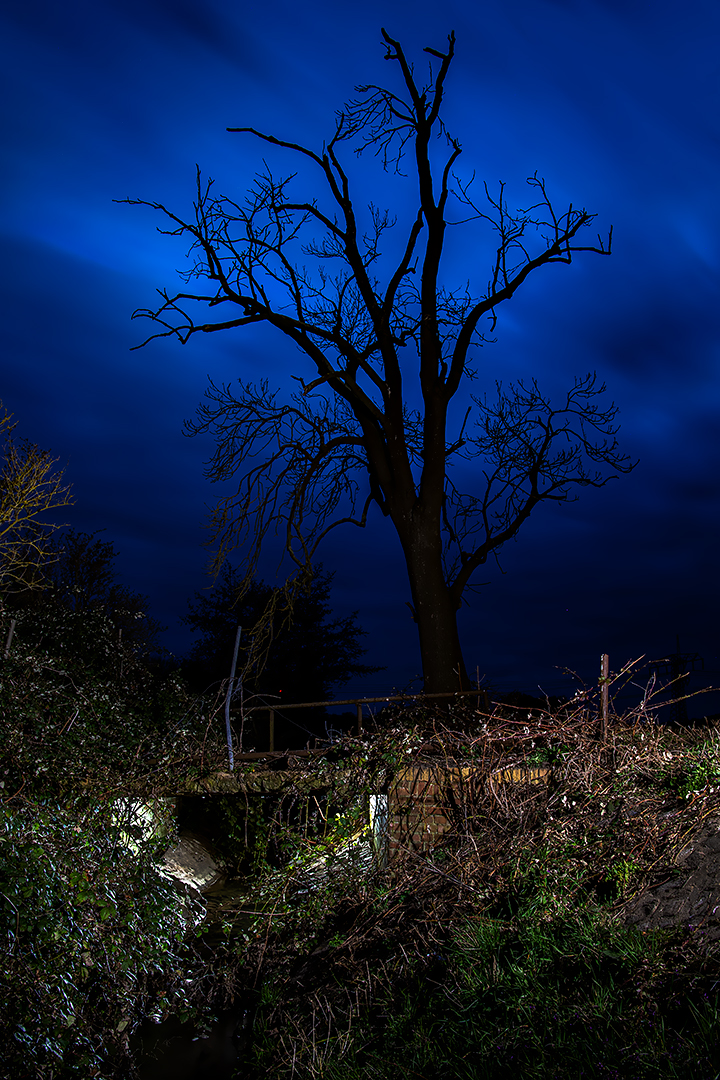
513	949
564	1000
506	951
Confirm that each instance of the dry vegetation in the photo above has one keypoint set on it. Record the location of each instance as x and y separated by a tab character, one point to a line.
562	927
550	933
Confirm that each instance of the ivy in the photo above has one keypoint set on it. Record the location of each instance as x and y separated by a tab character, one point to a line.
95	936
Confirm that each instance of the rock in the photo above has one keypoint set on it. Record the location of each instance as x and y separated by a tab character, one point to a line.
690	895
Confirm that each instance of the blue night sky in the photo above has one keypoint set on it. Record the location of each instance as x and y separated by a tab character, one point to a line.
615	102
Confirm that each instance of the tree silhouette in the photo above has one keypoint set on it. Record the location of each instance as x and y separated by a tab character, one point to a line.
307	657
83	576
358	431
77	576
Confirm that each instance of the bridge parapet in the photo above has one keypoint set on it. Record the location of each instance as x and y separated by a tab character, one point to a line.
412	807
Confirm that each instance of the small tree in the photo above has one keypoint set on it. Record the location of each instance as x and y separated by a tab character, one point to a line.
353	434
294	653
81	572
29	489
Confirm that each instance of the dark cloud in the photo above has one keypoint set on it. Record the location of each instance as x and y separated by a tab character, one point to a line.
615	104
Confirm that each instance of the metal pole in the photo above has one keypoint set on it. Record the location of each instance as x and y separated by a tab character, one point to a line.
9	638
228	729
604	700
359	719
272	729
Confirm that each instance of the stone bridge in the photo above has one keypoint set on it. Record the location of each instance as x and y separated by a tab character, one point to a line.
409	811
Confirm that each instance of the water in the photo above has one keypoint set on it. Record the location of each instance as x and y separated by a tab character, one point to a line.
172	1051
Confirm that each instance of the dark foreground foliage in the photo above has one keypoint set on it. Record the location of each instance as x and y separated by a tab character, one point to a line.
519	946
515	948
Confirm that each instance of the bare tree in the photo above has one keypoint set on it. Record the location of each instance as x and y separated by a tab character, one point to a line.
29	489
352	434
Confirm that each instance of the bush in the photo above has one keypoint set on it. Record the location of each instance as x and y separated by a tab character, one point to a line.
95	939
78	707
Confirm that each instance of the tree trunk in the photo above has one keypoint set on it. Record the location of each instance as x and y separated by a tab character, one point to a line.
436	616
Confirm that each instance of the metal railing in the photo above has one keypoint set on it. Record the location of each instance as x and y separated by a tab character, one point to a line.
481	695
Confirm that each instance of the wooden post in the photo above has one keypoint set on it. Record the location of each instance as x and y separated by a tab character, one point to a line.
482	694
604	701
359	720
272	729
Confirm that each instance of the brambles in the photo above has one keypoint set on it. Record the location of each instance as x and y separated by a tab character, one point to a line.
80	707
537	938
507	951
96	937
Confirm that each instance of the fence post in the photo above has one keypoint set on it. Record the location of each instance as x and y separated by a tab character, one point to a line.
271	726
604	699
359	719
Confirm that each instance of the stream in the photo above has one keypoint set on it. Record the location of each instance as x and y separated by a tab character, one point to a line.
171	1050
